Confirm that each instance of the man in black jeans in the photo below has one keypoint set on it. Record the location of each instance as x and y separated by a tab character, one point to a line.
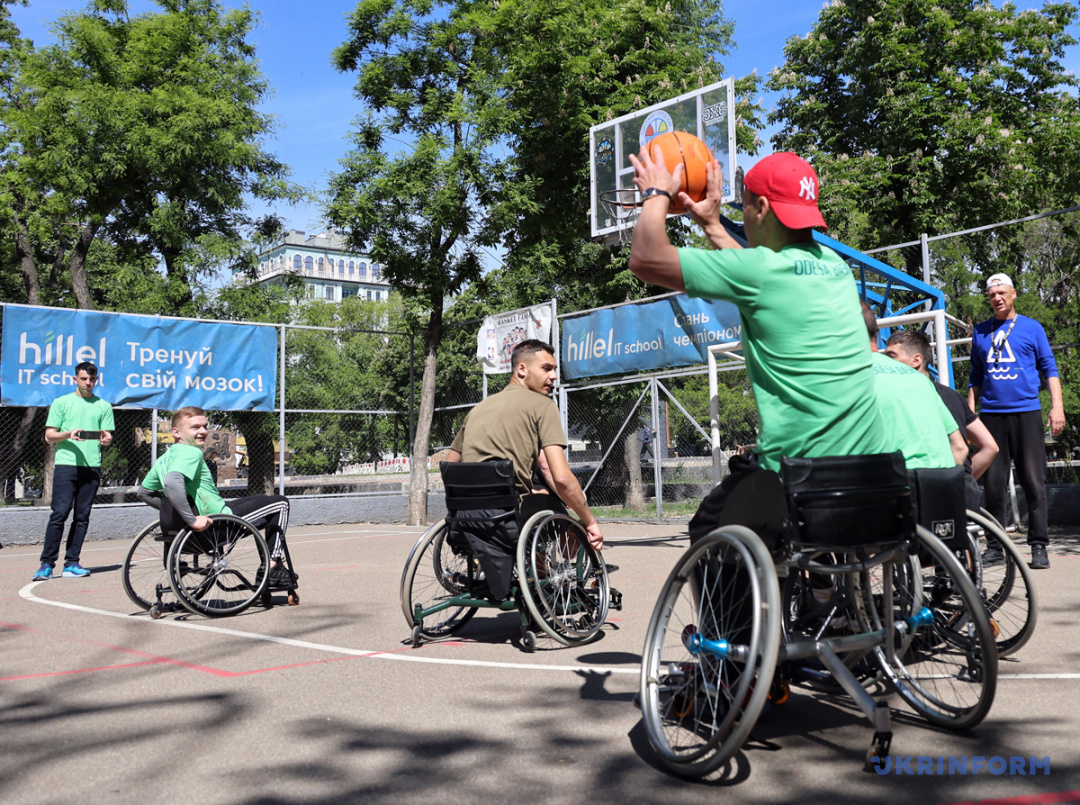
79	424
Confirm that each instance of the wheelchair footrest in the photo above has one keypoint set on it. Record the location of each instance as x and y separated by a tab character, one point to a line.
615	599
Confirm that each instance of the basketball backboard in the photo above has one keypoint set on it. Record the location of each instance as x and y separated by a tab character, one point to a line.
707	112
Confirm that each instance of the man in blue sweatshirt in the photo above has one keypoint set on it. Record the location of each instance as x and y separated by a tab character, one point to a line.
1009	354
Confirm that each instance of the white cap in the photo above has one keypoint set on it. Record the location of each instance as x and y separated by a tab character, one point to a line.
999	279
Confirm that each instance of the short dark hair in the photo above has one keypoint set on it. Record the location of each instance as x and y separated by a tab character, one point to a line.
870	320
185	412
529	346
87	367
914	342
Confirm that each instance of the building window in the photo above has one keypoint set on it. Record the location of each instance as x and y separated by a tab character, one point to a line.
375	271
297	263
341	267
347	293
309	264
322	267
330	293
310	289
362	270
352	267
369	294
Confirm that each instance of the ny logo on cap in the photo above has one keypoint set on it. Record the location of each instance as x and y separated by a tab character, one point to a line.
806	189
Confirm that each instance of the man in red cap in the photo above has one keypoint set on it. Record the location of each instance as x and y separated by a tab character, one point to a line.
802	328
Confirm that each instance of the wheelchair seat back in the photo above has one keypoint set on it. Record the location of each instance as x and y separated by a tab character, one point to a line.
479	485
758	503
940	504
845	501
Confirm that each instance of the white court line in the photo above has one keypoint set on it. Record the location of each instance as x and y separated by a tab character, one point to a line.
27	592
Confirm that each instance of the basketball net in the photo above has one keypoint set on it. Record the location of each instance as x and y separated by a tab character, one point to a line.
624	207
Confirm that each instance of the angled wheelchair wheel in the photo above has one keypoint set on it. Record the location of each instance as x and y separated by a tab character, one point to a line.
219	571
710	651
947	667
1004	580
434	574
564	581
145	567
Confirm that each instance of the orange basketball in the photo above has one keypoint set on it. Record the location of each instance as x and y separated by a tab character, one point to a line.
680	146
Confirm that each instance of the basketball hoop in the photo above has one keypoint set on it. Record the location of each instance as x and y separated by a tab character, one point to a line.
624	207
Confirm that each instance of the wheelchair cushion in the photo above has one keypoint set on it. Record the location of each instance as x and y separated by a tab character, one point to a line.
849	500
479	485
940	504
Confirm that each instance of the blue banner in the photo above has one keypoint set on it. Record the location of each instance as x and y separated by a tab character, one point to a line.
675	331
142	360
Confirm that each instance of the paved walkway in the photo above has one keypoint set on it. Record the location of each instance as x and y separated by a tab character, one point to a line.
328	702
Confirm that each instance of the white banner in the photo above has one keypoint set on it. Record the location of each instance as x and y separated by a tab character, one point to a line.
500	334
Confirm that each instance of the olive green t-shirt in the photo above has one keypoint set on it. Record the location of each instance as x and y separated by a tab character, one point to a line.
917	421
514	424
74	412
187	460
805	344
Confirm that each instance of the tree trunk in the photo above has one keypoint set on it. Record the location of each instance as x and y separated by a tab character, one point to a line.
25	252
47	473
80	284
635	488
418	478
257	428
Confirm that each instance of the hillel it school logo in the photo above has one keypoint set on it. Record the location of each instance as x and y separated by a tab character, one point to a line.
605	152
655	124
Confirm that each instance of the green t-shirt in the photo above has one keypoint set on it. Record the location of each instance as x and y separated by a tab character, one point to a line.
917	421
74	412
187	460
805	343
514	424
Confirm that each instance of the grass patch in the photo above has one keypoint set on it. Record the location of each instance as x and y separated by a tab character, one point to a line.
681	510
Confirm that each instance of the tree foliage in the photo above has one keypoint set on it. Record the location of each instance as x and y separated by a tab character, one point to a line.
931	115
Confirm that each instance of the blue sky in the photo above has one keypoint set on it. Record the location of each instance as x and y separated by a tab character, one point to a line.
314	104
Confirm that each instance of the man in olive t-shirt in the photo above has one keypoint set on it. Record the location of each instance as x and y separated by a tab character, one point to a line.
79	424
520	423
802	334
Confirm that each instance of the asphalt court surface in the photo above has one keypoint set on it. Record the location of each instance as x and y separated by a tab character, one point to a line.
328	701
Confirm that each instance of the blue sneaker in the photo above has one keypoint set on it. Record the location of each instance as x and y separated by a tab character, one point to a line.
74	571
44	573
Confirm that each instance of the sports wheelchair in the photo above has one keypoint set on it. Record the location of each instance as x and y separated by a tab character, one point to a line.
866	593
220	571
558	583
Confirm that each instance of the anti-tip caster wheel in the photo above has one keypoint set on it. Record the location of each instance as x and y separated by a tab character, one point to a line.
294	599
418	635
879	749
528	641
155	611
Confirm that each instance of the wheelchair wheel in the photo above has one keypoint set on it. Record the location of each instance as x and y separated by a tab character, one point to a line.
564	582
722	598
1005	584
219	571
434	573
145	567
947	669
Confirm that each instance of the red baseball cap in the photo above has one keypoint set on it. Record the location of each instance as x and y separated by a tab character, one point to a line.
791	186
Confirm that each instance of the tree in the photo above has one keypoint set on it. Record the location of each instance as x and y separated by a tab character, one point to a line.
143	130
931	115
426	213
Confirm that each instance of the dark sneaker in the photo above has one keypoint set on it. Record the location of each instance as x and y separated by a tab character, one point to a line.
993	556
281	577
1039	560
44	573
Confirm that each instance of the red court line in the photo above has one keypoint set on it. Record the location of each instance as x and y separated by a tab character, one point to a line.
153	659
1029	799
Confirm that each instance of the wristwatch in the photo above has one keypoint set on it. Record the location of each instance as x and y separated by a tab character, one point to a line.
655	191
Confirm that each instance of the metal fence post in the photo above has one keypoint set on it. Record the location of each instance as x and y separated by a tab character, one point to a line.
153	436
658	474
281	414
